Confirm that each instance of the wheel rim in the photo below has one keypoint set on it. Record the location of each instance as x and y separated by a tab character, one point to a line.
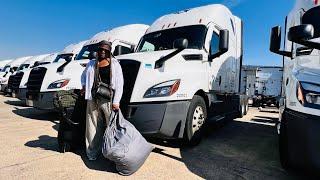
242	109
197	119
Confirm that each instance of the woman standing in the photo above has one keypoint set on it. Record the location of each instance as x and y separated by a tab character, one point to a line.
108	71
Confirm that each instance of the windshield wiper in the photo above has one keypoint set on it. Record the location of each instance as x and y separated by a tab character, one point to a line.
179	44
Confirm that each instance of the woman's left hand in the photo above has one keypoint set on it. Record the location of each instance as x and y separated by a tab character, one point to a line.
115	107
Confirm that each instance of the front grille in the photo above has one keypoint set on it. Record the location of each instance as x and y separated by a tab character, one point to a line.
10	82
35	80
130	69
16	80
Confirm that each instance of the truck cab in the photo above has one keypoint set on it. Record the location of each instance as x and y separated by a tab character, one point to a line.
10	68
53	75
21	90
124	39
15	79
299	122
185	66
3	64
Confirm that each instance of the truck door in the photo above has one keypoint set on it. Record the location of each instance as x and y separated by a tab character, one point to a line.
216	70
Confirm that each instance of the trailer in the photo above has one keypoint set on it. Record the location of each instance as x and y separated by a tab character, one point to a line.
262	84
185	72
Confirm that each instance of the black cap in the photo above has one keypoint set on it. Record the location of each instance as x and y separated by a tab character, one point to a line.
105	45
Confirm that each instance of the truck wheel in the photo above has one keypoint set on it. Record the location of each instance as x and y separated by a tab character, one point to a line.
283	147
242	110
246	109
197	114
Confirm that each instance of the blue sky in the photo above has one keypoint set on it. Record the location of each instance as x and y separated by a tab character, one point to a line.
31	27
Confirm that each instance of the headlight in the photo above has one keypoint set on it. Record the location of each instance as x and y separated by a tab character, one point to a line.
308	94
58	84
2	81
163	89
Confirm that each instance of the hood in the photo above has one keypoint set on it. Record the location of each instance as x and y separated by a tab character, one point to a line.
308	74
82	62
52	65
307	69
152	56
72	71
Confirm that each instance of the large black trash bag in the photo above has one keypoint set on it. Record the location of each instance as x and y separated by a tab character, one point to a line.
72	110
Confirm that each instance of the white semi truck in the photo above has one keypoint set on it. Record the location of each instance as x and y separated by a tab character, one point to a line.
299	122
123	39
3	63
41	75
10	68
185	71
15	78
21	79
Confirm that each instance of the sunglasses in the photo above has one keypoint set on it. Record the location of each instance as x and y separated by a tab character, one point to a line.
103	50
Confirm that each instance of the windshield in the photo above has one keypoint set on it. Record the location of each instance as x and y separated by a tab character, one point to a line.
63	58
22	67
163	40
86	51
5	69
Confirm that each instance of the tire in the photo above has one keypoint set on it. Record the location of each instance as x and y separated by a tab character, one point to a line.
242	110
196	117
246	109
283	147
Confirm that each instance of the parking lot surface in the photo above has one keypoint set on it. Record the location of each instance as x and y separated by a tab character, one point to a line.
243	148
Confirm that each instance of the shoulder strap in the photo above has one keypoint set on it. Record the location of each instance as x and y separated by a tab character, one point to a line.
96	74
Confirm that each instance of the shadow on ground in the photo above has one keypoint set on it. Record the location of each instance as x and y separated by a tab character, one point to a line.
264	119
236	150
44	142
16	103
36	114
232	150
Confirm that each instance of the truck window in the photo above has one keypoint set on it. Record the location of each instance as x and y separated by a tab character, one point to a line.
214	44
121	50
86	51
164	39
22	67
63	58
6	68
147	47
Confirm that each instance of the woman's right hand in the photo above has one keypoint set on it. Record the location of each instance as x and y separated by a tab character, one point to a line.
82	91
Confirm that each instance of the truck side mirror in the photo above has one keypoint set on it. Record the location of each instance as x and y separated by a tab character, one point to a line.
223	44
312	17
275	42
180	44
302	34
